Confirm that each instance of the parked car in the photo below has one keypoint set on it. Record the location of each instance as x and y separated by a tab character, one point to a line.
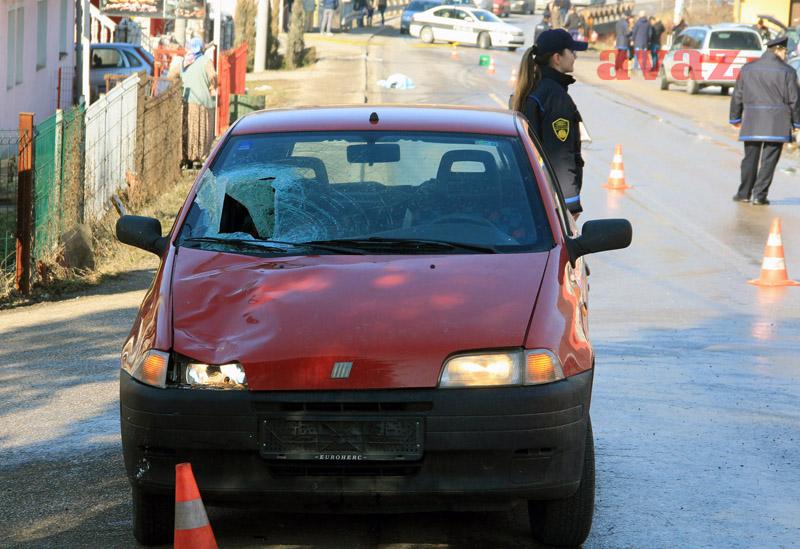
523	6
415	6
367	308
466	26
501	8
116	58
795	64
722	50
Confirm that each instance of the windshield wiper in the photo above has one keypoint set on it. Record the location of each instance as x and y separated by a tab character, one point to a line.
264	245
235	243
406	244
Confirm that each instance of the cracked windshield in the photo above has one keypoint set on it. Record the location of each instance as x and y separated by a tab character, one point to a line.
390	189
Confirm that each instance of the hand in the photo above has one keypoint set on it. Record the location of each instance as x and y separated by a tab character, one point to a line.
737	125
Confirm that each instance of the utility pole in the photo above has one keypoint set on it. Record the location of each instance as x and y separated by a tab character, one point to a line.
180	31
83	24
262	24
678	13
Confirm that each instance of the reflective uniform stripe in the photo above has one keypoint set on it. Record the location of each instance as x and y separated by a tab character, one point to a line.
773	264
190	515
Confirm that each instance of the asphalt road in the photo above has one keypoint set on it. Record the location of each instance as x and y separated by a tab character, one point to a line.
697	382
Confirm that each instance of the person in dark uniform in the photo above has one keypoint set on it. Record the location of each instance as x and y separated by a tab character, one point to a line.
541	95
764	106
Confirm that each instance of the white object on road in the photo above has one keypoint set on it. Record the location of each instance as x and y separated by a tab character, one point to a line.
397	81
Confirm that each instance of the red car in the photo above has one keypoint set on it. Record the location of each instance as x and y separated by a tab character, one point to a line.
367	308
501	8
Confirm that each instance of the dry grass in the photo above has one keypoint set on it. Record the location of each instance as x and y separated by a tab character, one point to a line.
111	257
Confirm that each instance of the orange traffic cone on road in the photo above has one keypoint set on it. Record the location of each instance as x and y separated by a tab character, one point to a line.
773	266
616	177
192	530
454	52
492	68
512	81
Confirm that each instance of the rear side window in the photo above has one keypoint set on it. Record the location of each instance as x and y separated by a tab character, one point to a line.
734	40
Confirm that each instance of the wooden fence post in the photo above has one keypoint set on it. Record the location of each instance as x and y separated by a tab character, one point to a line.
24	203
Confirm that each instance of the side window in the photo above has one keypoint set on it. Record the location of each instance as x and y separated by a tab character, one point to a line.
550	179
105	58
447	13
461	14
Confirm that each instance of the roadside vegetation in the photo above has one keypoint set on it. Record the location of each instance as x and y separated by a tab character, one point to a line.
111	258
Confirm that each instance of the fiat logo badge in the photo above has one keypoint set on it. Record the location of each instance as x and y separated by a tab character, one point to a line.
341	370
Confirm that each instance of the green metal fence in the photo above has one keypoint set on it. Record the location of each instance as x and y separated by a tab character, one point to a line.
58	189
9	149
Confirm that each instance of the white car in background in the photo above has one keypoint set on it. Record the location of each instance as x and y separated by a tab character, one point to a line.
466	26
720	52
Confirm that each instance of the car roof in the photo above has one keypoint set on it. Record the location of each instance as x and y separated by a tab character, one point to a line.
422	118
724	26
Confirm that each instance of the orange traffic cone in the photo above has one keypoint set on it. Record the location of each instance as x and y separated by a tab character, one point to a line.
616	178
512	81
773	267
491	69
454	52
192	530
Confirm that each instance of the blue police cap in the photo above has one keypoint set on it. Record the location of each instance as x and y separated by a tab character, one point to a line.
557	40
779	42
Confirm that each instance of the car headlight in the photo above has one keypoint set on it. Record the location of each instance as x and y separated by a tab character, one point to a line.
151	368
531	367
214	376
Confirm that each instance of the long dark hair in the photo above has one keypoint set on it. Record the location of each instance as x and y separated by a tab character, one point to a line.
530	74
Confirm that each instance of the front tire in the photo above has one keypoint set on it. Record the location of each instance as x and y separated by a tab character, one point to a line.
426	35
723	90
484	41
153	517
567	521
664	82
692	86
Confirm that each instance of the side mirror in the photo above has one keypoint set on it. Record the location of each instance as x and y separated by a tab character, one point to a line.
141	232
601	235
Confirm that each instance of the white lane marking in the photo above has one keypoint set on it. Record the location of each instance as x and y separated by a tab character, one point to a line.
503	104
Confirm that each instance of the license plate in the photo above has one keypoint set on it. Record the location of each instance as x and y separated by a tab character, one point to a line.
341	439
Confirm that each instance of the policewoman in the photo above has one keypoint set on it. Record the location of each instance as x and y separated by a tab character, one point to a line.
764	106
541	95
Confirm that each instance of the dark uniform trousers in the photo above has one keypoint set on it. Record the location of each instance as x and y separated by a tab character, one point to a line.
757	179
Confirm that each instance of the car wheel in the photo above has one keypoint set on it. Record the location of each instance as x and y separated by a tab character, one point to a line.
664	81
692	86
426	35
512	48
723	90
153	517
484	41
567	521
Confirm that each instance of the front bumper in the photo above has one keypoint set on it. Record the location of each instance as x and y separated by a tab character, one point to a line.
481	446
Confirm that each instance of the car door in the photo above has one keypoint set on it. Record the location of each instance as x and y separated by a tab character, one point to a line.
443	22
464	29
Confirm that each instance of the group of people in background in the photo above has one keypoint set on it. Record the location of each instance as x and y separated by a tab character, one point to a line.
639	40
561	14
361	11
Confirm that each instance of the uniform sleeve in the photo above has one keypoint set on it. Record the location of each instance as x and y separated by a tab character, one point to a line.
792	99
533	112
560	116
736	102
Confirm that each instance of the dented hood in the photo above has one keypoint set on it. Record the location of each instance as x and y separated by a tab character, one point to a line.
288	320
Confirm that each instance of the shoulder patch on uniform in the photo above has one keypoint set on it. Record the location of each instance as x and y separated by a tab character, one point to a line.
561	128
